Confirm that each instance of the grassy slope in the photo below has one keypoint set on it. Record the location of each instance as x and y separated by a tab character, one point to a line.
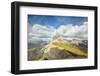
60	44
68	47
32	49
37	55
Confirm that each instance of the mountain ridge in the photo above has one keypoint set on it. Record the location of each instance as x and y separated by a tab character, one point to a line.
61	44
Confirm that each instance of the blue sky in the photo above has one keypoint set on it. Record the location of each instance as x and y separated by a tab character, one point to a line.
45	28
55	21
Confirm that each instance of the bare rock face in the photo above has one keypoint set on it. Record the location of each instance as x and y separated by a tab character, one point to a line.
56	53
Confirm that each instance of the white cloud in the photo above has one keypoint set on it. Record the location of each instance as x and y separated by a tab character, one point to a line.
34	40
79	31
40	32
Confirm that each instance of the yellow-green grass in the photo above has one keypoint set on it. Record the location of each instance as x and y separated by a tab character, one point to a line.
32	49
67	46
70	48
38	56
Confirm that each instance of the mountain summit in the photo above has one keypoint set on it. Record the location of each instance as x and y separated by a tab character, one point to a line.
62	49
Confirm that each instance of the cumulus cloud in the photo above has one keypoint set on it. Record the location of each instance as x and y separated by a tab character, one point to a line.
40	32
34	40
79	31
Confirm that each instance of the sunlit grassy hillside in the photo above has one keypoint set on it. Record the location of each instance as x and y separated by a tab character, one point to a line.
58	49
